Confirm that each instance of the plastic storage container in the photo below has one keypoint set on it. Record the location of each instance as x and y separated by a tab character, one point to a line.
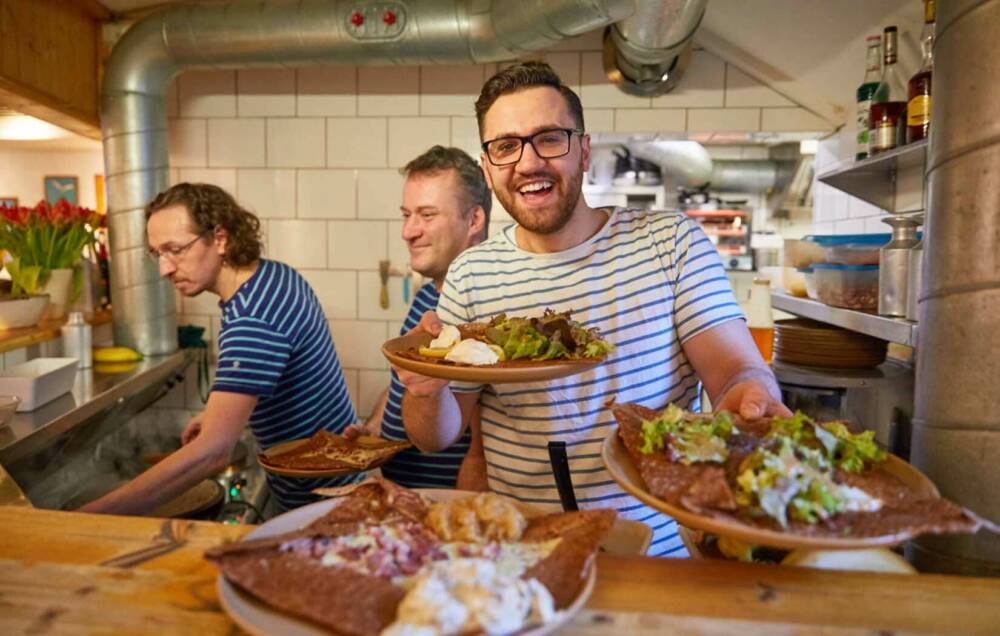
848	286
801	252
851	249
809	277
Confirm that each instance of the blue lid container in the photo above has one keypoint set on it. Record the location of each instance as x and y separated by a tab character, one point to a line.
845	268
834	240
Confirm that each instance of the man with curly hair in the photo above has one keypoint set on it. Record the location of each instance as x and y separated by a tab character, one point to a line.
277	371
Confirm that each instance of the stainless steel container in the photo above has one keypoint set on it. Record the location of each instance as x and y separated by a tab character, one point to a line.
914	280
894	264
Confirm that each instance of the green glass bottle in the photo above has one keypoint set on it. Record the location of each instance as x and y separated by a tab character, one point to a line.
873	71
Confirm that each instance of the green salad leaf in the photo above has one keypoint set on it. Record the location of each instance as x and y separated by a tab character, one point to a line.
787	480
853	450
553	336
697	439
846	450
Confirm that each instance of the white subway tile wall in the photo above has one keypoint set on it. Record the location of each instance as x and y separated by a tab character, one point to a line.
836	212
316	153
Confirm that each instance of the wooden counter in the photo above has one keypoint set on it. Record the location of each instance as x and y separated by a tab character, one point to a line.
11	339
50	583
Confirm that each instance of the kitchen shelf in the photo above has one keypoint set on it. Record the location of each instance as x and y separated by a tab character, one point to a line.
11	339
839	378
715	214
896	330
725	232
874	179
621	189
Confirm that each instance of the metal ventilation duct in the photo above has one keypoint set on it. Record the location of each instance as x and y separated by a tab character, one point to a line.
688	164
646	53
240	34
956	427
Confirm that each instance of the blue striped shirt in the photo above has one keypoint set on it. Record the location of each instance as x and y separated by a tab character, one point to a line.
411	467
275	343
649	281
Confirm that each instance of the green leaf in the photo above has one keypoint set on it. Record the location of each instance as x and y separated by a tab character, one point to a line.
24	278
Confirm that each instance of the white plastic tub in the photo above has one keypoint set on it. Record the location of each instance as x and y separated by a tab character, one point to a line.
38	381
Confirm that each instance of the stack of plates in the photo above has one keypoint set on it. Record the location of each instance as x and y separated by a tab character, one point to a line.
816	344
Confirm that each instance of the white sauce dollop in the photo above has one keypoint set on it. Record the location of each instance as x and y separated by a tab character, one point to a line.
472	352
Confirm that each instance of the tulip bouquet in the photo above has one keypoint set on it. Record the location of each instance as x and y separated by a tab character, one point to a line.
44	238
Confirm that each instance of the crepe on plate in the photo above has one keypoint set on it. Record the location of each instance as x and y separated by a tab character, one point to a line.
326	450
350	571
788	475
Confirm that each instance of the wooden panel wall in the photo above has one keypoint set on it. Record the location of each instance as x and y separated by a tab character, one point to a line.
49	61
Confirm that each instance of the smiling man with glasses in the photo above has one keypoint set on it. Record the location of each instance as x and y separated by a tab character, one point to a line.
651	282
277	371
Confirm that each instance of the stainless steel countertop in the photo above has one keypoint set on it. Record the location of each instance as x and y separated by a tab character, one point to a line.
92	393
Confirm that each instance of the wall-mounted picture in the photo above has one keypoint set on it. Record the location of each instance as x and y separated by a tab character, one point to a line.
57	188
8	202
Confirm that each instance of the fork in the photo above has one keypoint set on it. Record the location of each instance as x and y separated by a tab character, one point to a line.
173	535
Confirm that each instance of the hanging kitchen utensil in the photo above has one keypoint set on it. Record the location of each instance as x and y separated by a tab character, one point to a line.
383	274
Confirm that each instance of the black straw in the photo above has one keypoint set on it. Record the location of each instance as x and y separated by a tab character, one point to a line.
560	470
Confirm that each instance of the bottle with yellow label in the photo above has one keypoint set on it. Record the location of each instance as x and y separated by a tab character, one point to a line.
918	108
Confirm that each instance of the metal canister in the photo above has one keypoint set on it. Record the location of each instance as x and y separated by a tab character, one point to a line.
914	280
894	264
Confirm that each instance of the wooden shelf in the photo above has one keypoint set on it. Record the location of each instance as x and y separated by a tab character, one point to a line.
11	339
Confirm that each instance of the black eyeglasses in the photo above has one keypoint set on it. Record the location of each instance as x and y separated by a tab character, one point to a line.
548	144
173	254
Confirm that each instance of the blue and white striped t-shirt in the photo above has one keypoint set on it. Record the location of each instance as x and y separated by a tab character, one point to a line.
649	281
275	343
411	468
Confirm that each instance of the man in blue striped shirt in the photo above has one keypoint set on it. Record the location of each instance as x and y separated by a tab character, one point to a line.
446	209
277	371
652	283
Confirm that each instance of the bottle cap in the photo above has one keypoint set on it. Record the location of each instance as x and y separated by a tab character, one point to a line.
75	318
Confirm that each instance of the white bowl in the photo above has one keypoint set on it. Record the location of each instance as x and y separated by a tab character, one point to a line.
16	313
38	381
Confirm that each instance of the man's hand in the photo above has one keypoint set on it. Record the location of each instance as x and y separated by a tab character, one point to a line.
356	430
192	429
752	400
416	384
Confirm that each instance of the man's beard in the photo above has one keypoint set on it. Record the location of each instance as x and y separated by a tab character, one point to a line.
546	220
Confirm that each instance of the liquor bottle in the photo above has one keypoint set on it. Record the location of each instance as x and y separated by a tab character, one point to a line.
888	112
873	67
918	108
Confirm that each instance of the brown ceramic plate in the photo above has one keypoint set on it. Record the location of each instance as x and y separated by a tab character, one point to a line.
623	471
258	618
364	440
402	352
